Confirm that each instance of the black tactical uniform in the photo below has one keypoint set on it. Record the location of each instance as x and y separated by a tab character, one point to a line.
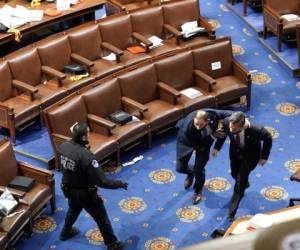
81	174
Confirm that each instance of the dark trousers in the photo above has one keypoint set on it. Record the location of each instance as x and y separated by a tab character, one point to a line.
182	166
240	171
90	201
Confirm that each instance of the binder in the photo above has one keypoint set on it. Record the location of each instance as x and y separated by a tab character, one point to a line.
22	183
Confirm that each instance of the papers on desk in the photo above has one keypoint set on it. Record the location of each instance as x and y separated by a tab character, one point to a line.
191	93
16	17
6	11
73	2
111	57
261	221
291	17
156	41
279	216
36	15
63	4
190	28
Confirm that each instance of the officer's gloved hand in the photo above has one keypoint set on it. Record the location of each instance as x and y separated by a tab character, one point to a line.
124	185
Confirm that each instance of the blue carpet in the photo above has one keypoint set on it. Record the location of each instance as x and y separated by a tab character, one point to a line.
35	142
289	54
254	18
156	212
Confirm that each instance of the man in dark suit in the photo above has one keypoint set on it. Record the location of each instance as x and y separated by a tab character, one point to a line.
197	132
245	152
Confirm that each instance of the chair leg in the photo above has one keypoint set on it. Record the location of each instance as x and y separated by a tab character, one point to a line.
41	120
29	228
118	157
149	139
279	40
12	132
279	44
248	99
292	201
265	32
53	204
245	4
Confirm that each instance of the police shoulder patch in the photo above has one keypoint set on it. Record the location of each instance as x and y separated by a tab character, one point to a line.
95	164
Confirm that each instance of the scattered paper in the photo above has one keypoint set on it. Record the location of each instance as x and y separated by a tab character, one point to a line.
134	119
63	4
191	93
291	17
190	28
73	2
36	15
110	57
16	17
261	221
134	160
21	12
6	11
156	42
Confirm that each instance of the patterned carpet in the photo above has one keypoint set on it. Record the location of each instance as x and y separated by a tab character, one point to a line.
156	212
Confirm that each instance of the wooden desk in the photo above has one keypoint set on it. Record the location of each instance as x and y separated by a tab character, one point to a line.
83	8
286	214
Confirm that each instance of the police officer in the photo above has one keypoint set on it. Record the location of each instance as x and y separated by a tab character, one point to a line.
81	174
196	132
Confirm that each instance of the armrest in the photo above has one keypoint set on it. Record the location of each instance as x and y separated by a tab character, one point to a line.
126	101
100	125
165	87
168	93
173	31
101	121
204	23
54	73
61	137
58	139
204	79
6	109
82	60
17	193
113	49
240	72
119	5
25	87
140	38
41	175
271	13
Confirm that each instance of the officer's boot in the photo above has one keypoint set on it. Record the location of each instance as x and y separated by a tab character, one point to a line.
67	234
117	245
